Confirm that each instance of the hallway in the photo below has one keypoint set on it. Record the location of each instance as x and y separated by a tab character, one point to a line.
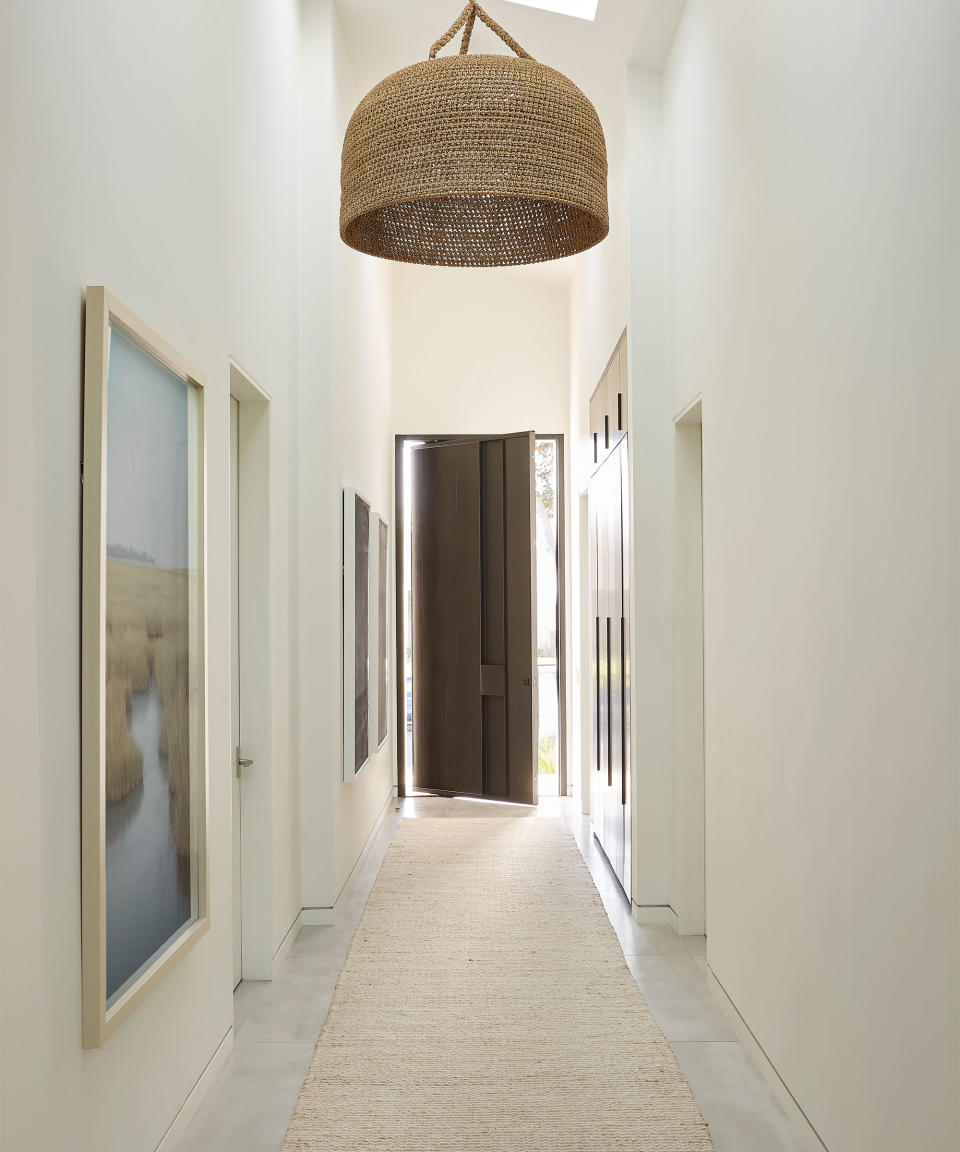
390	406
276	1025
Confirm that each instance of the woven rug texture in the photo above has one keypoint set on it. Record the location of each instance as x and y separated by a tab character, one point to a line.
485	1006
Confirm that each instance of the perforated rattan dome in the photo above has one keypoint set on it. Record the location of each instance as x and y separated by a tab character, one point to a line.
474	161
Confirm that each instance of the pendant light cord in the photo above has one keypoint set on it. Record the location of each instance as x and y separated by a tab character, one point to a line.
466	21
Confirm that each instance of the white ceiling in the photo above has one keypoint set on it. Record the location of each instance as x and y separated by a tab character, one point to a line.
383	36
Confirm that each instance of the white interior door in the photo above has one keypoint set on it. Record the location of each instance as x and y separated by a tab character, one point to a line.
235	678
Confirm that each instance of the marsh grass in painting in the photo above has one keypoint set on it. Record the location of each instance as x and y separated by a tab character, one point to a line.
147	643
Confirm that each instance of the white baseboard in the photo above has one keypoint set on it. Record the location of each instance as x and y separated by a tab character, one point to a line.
329	915
286	944
318	915
655	914
803	1129
190	1106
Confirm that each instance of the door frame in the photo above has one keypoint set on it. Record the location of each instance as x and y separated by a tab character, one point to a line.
689	749
561	600
256	842
400	591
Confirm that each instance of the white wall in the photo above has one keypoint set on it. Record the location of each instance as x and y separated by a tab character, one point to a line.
813	252
345	439
479	350
128	132
653	539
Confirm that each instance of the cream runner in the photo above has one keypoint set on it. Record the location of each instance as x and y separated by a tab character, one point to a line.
485	1006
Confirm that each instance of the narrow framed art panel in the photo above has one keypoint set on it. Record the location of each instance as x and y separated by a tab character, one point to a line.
359	575
383	668
144	808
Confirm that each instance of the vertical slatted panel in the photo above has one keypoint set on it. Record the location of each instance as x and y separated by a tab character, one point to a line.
493	635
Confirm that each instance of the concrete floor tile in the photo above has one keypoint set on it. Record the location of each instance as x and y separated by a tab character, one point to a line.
245	996
252	1103
739	1107
646	939
293	1008
676	991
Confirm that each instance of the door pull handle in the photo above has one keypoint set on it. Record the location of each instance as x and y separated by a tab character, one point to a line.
241	762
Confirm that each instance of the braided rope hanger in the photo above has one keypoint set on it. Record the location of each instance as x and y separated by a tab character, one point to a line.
466	21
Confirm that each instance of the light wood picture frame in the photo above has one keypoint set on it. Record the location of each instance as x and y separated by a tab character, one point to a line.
144	746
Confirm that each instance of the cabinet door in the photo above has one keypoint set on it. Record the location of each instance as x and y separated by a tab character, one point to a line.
603	662
625	657
594	641
613	801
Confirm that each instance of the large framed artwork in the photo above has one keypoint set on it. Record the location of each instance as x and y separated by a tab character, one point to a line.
360	583
144	719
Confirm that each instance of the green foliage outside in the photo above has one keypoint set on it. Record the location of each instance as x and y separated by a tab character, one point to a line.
544	466
547	756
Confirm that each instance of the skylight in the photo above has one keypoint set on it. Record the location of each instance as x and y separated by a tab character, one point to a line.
582	9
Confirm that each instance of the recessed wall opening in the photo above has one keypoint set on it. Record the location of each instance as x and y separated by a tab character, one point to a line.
508	719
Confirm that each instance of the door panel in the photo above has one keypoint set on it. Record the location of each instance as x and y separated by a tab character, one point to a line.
613	803
594	682
474	617
625	528
446	619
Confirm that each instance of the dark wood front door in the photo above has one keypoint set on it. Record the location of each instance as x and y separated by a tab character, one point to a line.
474	582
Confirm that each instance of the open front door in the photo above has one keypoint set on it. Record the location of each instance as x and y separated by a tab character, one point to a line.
474	587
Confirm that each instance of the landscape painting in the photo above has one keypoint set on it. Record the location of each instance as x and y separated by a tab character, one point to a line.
148	850
151	811
383	536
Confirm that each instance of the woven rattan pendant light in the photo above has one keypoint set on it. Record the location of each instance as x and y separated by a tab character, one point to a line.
474	161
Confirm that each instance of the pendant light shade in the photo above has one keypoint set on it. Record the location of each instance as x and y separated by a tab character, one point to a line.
474	161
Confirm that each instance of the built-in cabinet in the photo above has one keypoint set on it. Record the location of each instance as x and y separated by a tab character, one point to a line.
608	498
608	405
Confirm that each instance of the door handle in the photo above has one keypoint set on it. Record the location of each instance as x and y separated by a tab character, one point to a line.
525	682
241	762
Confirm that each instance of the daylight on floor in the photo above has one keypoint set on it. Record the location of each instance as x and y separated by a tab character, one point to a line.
481	615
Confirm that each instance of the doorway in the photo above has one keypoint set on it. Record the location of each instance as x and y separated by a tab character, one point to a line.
481	469
249	764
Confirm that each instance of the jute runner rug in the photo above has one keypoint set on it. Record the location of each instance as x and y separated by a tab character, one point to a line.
485	1006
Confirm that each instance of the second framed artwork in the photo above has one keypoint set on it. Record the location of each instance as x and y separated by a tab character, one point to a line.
366	544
